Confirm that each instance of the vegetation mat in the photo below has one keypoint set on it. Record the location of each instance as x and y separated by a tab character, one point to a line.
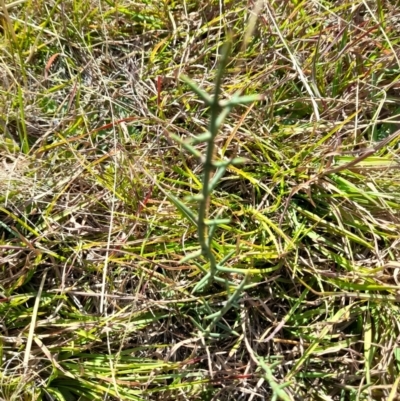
199	200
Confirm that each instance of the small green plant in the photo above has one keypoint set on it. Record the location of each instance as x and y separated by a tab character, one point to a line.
213	172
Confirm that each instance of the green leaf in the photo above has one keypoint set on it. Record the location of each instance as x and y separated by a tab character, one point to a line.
191	256
241	100
187	146
189	214
207	99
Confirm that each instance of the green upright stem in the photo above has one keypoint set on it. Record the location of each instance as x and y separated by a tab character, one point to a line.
205	202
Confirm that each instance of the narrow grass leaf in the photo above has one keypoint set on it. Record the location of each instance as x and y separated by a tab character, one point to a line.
368	354
320	337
